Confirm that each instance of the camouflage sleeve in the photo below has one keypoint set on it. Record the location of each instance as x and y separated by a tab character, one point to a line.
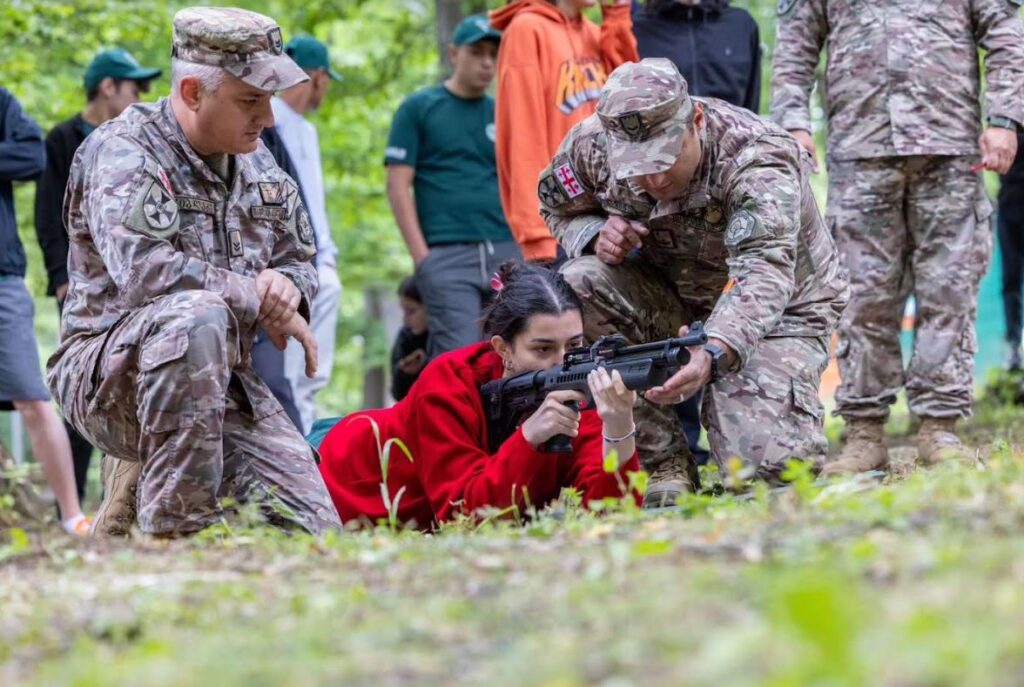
131	215
997	28
566	189
294	249
800	36
763	205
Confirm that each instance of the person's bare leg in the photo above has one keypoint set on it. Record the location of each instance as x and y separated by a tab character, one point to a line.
52	449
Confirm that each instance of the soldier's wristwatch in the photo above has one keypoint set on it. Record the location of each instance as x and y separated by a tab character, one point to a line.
717	356
1003	123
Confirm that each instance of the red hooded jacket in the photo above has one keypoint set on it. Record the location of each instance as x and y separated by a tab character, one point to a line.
442	423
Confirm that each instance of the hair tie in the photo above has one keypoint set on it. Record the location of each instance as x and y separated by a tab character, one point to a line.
496	283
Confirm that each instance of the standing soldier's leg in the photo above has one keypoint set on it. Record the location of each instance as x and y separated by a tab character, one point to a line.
866	213
268	462
633	300
769	412
948	215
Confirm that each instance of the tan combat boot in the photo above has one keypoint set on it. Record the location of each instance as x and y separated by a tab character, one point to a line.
863	450
116	514
666	481
937	442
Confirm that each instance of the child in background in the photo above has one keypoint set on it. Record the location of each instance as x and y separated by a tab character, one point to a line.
409	352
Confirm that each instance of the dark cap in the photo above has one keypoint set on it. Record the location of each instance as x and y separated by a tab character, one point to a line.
116	64
473	29
309	53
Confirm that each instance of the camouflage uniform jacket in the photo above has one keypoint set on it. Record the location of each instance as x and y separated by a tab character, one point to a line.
147	217
747	225
902	75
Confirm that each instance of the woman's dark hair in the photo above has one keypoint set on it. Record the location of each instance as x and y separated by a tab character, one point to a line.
408	289
525	290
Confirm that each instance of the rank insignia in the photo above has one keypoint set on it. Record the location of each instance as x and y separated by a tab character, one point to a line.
632	125
275	41
235	239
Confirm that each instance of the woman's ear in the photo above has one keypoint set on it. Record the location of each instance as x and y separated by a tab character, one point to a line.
501	347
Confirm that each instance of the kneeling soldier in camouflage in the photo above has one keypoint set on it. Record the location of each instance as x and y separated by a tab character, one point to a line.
184	237
674	209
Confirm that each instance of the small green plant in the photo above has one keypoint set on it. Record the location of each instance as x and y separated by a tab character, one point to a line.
384	456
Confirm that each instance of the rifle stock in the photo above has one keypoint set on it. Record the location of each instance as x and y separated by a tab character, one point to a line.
642	367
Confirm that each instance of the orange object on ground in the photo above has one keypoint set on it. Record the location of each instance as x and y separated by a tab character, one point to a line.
550	73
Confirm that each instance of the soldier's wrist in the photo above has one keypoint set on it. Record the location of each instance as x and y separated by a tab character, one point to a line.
999	122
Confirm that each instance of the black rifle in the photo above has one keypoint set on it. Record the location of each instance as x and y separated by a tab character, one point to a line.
643	367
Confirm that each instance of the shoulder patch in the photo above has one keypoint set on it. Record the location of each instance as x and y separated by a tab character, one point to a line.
743	226
550	192
565	175
786	6
154	211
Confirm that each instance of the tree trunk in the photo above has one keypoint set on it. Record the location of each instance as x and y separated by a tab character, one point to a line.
449	14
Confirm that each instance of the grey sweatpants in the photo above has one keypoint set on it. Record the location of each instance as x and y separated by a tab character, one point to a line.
454	281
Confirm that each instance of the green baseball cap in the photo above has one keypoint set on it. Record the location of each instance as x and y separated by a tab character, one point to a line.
117	64
309	53
475	28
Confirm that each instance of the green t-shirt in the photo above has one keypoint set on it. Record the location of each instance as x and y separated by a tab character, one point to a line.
450	143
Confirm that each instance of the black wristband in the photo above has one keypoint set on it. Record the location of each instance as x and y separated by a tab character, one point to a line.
717	356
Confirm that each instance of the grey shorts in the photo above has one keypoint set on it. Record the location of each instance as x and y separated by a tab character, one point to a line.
21	377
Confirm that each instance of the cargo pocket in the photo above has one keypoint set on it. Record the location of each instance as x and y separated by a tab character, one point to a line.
805	399
166	399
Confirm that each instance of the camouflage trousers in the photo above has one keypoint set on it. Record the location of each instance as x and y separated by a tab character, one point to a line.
905	226
765	414
164	387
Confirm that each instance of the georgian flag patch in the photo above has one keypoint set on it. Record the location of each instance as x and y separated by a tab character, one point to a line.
566	177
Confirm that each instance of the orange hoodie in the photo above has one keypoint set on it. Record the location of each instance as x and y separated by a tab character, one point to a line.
550	72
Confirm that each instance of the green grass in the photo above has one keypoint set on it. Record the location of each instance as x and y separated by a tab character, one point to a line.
916	580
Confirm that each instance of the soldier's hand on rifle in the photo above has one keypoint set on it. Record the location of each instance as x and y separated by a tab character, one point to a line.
553	418
998	149
298	329
806	141
613	401
690	378
619	236
279	298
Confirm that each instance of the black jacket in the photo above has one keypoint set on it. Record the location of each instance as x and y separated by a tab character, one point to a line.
717	48
61	144
22	158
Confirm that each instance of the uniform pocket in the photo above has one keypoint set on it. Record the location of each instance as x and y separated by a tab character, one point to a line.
163	349
805	399
166	399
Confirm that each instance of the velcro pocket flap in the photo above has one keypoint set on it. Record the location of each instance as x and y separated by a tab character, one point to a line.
162	349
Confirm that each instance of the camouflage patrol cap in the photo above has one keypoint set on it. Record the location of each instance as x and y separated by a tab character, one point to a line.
645	108
246	44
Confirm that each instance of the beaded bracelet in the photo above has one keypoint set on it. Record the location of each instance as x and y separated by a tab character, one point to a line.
618	440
